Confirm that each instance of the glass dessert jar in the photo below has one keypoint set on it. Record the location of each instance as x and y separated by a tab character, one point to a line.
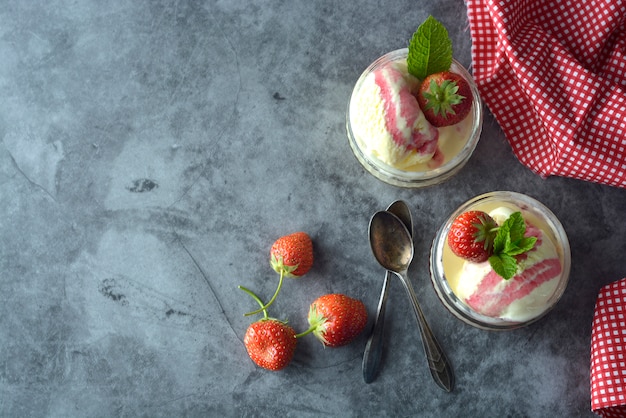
368	129
476	295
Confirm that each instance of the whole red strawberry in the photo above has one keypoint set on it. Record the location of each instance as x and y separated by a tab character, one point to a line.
471	236
337	319
271	344
292	255
445	98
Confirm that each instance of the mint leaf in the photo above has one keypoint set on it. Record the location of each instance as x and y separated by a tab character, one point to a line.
527	244
430	49
504	265
521	246
503	237
517	226
509	242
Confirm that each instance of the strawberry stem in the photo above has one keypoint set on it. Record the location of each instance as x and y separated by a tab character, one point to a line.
264	307
255	297
316	325
308	331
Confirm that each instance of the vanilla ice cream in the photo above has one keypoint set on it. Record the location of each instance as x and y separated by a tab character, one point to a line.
388	124
478	296
519	299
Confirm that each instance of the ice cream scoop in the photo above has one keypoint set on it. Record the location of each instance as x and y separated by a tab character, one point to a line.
523	297
387	113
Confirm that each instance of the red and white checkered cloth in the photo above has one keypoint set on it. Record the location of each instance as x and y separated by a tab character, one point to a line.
608	352
553	73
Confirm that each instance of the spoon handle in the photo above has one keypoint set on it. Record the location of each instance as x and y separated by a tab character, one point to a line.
440	368
374	347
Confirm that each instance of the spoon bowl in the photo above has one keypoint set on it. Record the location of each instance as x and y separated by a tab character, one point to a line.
392	246
402	212
391	242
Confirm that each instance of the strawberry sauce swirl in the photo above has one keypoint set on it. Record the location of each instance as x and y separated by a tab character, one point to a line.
491	300
403	117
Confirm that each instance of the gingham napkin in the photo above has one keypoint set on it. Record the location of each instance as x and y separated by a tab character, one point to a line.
553	73
608	352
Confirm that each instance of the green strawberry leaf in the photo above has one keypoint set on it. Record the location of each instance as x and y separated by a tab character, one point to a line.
430	49
504	265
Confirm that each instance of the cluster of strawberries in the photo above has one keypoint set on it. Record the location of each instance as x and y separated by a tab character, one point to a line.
335	319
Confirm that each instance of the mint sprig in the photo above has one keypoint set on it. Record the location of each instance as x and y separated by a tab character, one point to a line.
509	242
430	49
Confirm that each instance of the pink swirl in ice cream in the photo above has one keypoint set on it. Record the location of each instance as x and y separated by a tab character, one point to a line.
387	120
403	117
523	297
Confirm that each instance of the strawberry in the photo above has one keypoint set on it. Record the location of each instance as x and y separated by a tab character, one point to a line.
445	98
270	343
336	319
471	236
292	255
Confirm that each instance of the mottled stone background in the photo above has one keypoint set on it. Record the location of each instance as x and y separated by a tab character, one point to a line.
151	152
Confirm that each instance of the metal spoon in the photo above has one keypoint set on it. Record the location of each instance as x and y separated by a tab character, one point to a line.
392	246
374	347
